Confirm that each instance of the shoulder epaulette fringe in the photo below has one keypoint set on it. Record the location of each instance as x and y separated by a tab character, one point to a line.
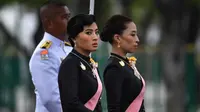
46	45
67	44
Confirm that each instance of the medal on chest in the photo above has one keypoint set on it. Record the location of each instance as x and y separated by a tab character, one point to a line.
82	66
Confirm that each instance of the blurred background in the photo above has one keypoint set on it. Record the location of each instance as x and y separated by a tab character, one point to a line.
168	57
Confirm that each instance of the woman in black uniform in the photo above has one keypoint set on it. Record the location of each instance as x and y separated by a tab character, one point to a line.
79	83
124	84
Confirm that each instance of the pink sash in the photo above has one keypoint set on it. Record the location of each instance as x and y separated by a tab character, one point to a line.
91	104
136	104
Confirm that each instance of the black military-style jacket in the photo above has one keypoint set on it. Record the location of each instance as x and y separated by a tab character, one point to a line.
77	83
121	83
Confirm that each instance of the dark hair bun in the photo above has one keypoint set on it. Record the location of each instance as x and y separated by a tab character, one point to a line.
115	25
105	34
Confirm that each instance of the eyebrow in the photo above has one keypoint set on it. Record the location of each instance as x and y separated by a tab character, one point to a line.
91	30
67	14
64	14
134	31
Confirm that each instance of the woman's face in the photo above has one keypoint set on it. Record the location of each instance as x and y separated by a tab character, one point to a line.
129	39
88	39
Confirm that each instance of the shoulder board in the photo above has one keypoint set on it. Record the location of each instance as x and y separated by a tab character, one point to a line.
46	45
67	44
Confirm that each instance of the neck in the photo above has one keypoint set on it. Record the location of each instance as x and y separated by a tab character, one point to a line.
85	53
61	37
118	52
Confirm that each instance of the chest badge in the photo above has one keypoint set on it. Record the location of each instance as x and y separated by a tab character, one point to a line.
121	63
44	54
83	66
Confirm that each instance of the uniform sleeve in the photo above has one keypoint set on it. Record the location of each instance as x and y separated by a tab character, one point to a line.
113	80
44	75
68	81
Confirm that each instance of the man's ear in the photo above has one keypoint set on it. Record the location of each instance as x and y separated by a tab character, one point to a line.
48	23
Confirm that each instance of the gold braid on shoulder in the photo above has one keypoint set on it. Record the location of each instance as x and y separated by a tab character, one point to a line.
46	45
67	44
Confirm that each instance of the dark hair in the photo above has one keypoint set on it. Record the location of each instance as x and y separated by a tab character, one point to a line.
54	2
76	25
115	25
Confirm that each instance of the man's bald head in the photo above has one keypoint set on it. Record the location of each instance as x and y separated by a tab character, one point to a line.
54	16
50	9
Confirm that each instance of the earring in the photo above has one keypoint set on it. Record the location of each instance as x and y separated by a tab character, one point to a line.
118	46
74	43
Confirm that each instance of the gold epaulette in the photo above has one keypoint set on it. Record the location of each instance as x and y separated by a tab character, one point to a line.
46	45
67	43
